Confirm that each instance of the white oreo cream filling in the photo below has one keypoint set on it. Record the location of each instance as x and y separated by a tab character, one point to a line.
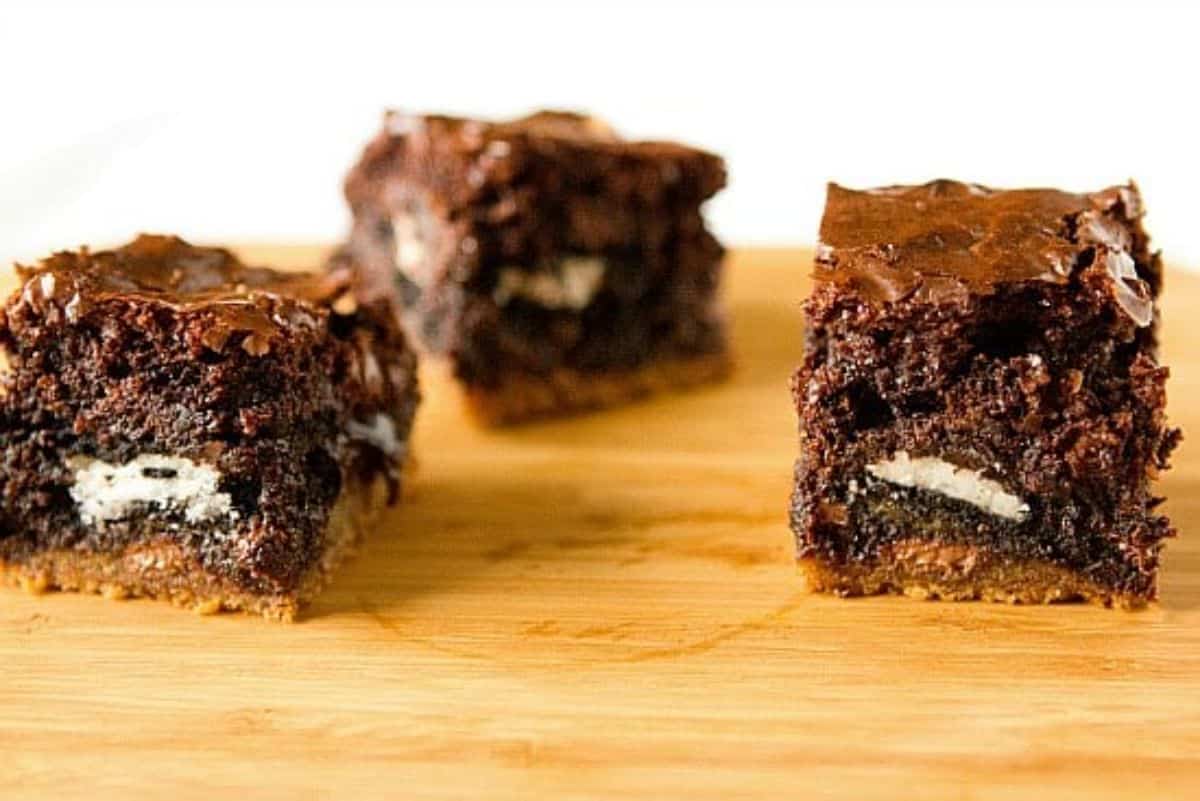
379	431
410	249
106	492
571	285
960	483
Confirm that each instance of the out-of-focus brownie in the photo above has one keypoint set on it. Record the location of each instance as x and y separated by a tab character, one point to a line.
981	404
176	424
557	266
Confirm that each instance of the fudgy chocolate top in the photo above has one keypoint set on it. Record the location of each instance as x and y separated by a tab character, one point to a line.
464	162
560	125
165	270
551	127
945	236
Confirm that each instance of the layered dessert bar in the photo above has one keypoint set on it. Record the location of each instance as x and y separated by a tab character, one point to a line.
176	424
981	404
557	266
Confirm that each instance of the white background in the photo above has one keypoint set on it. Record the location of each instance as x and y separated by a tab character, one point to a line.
236	121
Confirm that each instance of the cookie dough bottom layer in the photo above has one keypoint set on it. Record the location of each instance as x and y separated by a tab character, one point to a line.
566	391
936	571
160	569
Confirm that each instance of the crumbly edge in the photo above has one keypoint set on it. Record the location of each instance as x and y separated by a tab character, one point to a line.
998	580
566	391
159	568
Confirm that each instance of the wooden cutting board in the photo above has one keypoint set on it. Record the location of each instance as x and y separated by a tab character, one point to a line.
607	607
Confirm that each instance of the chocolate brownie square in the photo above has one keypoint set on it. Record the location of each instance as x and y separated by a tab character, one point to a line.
178	425
557	266
981	403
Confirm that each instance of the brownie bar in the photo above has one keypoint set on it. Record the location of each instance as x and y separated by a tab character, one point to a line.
557	266
981	405
178	425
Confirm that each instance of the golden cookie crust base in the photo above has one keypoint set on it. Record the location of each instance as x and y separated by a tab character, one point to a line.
933	571
161	569
523	398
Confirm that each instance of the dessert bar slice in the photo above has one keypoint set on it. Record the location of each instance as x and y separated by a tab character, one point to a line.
557	266
178	425
981	404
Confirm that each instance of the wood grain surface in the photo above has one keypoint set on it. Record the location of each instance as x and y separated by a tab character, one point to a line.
607	607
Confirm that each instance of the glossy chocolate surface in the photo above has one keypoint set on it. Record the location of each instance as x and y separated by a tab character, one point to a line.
166	270
552	127
944	238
